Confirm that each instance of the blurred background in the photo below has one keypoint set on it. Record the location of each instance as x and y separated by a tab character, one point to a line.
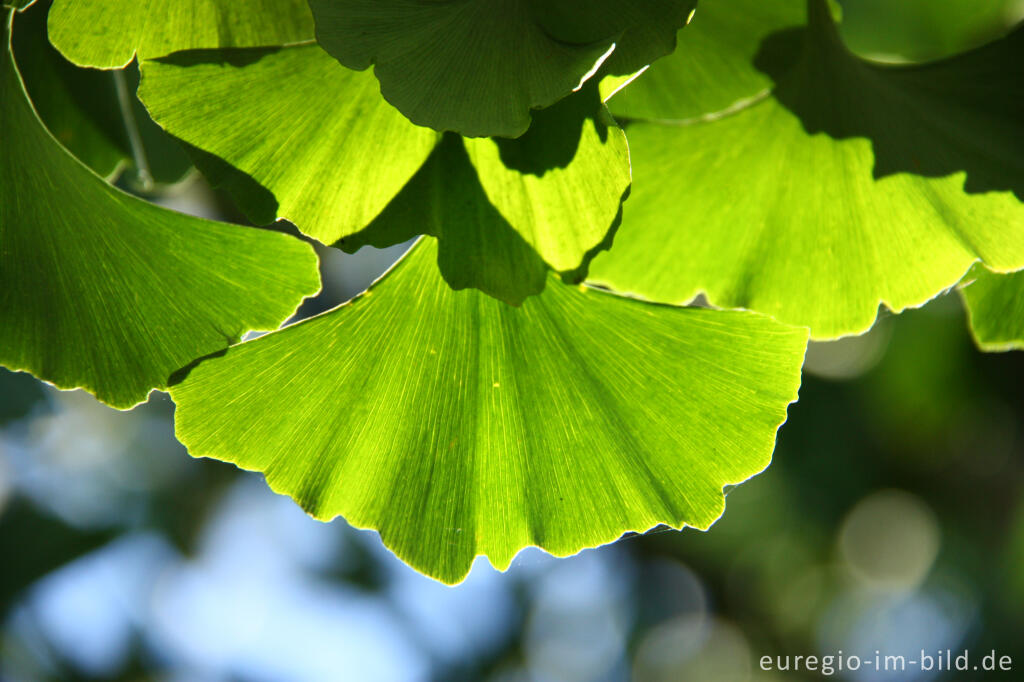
892	519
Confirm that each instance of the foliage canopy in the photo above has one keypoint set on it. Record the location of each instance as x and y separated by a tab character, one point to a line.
479	398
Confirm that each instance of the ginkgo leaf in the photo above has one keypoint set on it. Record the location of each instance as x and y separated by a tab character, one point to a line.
921	30
106	292
478	68
331	169
850	186
107	34
315	135
551	198
477	248
456	425
560	185
712	68
79	106
995	304
94	113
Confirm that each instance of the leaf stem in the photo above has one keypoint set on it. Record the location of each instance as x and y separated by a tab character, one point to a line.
131	127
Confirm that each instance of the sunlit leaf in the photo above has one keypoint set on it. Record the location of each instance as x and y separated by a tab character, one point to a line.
995	304
851	185
314	136
103	291
478	68
457	425
107	34
478	248
329	154
712	68
509	209
562	183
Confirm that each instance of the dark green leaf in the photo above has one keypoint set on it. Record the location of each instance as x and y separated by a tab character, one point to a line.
478	68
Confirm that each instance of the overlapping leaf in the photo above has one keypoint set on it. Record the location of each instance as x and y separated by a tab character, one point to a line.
314	135
328	154
92	113
456	425
79	106
922	30
712	68
561	184
107	34
851	185
478	68
995	304
477	247
106	292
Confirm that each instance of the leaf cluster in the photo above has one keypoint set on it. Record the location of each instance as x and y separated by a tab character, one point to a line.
531	372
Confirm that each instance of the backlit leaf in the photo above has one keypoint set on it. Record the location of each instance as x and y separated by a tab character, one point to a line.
851	185
995	304
107	34
562	183
103	291
477	247
920	30
712	68
457	425
314	141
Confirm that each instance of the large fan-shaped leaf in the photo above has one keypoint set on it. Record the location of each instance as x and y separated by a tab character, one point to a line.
457	425
315	135
851	185
106	292
107	34
996	307
478	67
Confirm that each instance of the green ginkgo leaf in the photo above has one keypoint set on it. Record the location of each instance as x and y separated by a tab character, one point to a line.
107	34
456	425
106	292
477	247
712	68
329	154
562	184
850	186
921	30
79	106
995	304
478	67
313	134
505	211
94	113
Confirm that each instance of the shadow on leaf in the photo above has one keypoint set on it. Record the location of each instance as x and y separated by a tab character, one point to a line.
960	114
